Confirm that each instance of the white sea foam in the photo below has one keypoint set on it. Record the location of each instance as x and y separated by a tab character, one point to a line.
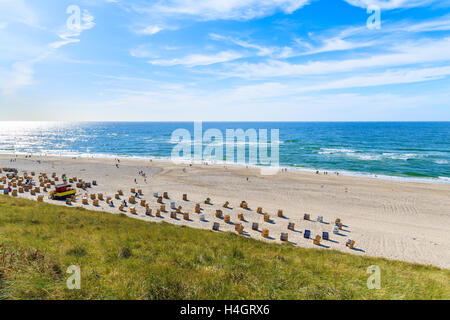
352	153
332	150
367	156
402	156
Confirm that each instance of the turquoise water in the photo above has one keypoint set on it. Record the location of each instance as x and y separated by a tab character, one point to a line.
406	150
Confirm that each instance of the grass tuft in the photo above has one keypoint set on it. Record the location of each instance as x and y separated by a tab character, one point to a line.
77	251
124	253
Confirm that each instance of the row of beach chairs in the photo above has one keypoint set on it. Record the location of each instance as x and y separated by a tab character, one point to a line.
46	183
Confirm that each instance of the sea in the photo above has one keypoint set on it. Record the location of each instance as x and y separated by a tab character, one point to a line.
406	151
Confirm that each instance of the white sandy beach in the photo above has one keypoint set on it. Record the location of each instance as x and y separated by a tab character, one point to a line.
396	220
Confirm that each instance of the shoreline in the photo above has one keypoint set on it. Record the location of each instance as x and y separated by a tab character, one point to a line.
402	221
292	168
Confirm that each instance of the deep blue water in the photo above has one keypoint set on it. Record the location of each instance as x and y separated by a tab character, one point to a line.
401	149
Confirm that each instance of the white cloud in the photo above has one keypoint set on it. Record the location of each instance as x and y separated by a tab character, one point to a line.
277	89
262	51
143	52
440	24
21	75
338	44
405	54
351	38
220	9
149	30
18	11
199	59
390	4
386	78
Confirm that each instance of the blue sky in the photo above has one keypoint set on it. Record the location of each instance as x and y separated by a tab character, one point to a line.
296	60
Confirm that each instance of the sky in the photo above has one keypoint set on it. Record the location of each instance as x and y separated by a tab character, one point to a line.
225	60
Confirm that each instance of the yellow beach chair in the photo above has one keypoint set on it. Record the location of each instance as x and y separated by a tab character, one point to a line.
317	240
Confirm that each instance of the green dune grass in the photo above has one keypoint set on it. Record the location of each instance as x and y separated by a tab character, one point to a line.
124	258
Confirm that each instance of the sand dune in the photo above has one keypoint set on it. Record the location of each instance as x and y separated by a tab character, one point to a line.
396	220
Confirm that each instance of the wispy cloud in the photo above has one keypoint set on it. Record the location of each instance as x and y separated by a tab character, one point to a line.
280	89
220	9
21	72
439	24
341	41
406	54
18	11
199	59
20	75
262	51
390	4
149	30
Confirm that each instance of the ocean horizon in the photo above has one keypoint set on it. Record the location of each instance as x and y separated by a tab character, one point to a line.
406	151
